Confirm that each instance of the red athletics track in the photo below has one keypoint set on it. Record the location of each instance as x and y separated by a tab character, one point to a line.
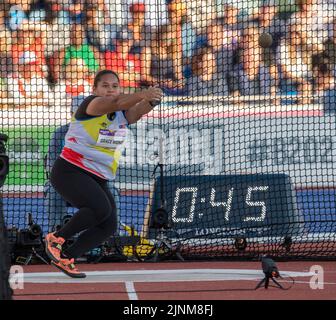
237	289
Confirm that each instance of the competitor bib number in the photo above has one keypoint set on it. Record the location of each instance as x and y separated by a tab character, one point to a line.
111	139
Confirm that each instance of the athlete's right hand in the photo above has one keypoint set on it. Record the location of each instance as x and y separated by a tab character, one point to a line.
153	94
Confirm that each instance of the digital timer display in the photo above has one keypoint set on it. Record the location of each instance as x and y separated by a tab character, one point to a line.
230	205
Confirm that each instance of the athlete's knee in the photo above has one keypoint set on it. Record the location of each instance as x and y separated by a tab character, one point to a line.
109	225
103	212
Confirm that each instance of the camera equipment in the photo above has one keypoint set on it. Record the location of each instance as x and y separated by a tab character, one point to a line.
4	164
112	250
240	244
29	241
5	290
287	243
164	246
271	271
30	236
159	221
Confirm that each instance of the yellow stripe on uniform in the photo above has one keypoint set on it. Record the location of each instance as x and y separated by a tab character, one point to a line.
97	143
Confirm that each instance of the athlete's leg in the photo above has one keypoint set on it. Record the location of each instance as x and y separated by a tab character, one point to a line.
91	238
54	206
84	192
94	236
116	196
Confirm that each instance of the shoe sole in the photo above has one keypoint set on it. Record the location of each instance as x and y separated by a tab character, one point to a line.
71	275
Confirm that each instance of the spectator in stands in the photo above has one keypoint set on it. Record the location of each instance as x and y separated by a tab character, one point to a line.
324	78
156	12
76	81
204	79
330	47
30	42
268	21
6	61
78	48
223	38
17	14
231	14
117	12
183	41
126	64
231	27
71	11
171	49
329	100
228	44
3	14
57	35
201	13
295	64
96	31
161	65
75	8
312	19
29	82
137	24
251	73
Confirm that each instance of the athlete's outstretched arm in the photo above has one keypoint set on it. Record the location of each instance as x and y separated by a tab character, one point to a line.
135	113
104	105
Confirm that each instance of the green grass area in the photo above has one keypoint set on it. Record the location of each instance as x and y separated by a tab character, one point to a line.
26	148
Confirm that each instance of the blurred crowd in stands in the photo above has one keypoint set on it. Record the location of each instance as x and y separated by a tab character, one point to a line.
188	47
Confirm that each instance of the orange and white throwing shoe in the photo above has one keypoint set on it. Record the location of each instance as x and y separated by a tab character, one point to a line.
68	267
53	246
